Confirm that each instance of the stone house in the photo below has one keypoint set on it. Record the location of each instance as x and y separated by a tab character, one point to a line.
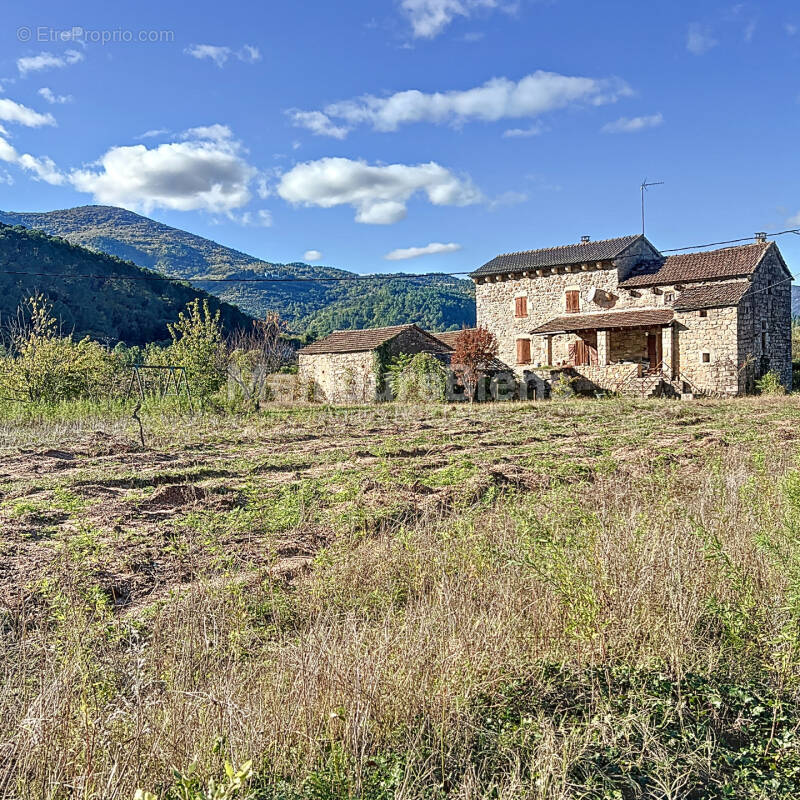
621	316
348	366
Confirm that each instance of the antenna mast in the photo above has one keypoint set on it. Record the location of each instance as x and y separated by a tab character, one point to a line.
643	188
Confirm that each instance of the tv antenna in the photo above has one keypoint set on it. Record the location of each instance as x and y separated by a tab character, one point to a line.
643	187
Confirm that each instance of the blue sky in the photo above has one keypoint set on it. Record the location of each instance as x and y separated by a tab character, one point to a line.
437	132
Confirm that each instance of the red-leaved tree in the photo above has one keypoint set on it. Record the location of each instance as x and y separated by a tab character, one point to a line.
474	350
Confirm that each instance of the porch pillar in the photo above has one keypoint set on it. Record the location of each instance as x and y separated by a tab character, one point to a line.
547	350
668	350
603	349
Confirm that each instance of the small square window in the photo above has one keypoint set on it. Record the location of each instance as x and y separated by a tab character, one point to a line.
706	358
520	306
703	313
669	298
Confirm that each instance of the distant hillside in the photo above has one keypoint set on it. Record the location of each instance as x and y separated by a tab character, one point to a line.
312	305
135	310
796	301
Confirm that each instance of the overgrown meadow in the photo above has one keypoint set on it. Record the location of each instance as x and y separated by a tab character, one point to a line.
524	600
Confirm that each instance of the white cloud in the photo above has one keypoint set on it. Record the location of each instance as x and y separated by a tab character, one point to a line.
43	168
318	123
520	133
6	179
750	30
699	39
498	98
153	133
48	61
378	193
261	218
633	124
54	99
790	28
22	115
404	253
429	18
312	255
220	55
205	171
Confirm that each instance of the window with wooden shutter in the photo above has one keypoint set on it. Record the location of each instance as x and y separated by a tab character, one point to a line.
573	301
521	307
523	351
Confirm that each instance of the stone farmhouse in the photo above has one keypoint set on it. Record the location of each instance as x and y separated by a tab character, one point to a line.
620	316
345	366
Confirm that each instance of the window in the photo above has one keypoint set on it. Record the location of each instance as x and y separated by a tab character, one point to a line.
706	358
669	298
573	301
520	306
523	351
763	341
763	324
703	313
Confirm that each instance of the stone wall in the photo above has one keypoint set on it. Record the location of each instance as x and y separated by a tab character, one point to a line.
341	378
494	300
766	309
715	335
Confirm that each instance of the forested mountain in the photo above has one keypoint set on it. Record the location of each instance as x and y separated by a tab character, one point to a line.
795	301
311	305
135	309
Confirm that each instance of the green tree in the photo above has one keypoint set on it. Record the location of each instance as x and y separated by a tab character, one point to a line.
199	346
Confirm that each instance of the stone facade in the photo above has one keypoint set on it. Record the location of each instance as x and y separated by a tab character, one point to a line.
352	377
716	349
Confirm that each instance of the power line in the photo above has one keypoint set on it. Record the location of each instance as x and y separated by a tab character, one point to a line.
335	278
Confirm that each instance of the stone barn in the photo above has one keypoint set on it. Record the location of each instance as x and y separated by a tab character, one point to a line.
622	317
349	366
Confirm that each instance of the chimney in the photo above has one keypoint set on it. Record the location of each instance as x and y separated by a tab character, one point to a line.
586	239
761	236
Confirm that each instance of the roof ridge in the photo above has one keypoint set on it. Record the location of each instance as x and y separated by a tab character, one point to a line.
763	245
631	236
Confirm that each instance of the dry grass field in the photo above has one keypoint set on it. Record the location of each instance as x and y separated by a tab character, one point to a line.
555	600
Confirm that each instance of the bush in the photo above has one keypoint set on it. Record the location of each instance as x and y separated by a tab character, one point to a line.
770	383
421	378
42	366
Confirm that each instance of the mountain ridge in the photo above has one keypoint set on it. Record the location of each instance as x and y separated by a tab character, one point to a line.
313	305
134	307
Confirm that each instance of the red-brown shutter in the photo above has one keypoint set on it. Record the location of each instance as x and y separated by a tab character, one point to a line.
523	351
521	307
573	302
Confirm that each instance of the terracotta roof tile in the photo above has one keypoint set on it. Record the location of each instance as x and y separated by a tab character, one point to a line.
711	295
449	337
601	250
729	262
644	318
356	341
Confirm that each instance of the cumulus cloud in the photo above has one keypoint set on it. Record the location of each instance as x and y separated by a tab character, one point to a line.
22	115
44	60
205	170
153	133
6	179
633	124
429	18
54	99
312	255
318	123
498	98
42	168
404	253
220	55
378	193
699	39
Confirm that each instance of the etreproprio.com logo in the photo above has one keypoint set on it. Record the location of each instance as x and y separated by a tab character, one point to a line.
43	34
